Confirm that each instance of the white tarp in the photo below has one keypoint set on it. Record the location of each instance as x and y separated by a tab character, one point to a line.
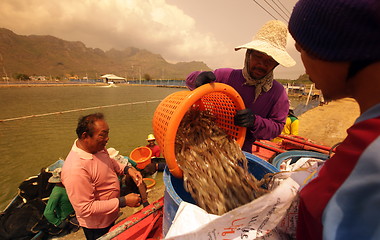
255	220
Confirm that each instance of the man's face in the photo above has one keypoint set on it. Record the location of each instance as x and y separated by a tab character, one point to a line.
330	77
99	139
151	143
260	64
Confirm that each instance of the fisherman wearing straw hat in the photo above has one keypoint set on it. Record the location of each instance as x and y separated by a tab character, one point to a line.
156	151
265	99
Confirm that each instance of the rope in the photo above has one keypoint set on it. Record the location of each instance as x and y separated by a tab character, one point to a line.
75	110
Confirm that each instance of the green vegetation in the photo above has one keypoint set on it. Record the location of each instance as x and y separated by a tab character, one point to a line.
22	77
147	77
301	80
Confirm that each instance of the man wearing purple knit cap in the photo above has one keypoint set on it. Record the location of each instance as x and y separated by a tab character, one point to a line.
339	43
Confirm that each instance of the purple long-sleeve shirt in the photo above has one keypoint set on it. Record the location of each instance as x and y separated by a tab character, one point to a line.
271	108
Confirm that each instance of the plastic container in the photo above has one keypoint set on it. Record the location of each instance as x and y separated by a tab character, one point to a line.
175	193
219	99
142	156
295	155
150	182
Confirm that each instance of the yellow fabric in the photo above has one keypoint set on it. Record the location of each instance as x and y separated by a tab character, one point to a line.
290	128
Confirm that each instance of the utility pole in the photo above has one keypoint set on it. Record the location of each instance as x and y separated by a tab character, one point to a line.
133	77
2	63
140	74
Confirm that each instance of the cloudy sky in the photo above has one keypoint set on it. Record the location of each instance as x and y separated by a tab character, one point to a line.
179	30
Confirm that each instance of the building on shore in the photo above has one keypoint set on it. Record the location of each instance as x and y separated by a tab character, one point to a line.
112	78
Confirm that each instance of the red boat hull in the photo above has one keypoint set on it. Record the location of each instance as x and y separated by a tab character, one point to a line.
268	150
144	224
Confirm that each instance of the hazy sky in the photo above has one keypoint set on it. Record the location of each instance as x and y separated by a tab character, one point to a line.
179	30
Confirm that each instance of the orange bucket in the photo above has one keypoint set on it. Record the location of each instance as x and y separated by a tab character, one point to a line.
219	99
142	156
150	182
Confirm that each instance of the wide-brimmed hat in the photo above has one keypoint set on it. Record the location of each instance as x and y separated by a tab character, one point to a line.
56	178
112	152
150	137
271	40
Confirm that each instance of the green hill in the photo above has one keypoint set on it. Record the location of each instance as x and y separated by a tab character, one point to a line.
51	56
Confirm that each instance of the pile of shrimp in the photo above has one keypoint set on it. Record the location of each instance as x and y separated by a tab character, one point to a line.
214	167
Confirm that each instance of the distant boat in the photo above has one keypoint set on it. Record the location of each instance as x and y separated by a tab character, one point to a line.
110	84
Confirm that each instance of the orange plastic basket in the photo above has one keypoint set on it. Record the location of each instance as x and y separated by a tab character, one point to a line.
219	99
142	156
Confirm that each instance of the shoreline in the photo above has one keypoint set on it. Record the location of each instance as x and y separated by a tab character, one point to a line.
68	84
49	84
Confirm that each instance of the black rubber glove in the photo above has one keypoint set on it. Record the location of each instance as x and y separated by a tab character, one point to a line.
204	77
244	118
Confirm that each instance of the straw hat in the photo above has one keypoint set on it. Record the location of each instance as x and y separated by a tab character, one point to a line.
112	152
56	178
271	40
150	137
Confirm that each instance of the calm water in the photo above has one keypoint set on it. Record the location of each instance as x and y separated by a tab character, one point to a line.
27	145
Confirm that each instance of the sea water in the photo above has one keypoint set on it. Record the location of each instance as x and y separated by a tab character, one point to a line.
39	124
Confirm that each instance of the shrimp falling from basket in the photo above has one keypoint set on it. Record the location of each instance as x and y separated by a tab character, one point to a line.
214	167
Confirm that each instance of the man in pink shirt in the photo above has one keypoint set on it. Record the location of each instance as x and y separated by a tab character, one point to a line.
91	178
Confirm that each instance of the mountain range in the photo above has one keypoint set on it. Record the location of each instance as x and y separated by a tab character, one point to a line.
51	56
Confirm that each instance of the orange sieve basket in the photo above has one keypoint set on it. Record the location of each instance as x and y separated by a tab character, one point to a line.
142	156
221	100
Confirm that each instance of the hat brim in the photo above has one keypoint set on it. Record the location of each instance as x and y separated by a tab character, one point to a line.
150	139
114	154
281	56
54	180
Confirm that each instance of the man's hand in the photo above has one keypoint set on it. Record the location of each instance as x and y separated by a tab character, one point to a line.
244	118
135	175
204	77
133	200
63	224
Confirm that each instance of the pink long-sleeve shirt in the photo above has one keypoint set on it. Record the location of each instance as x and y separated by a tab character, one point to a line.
93	187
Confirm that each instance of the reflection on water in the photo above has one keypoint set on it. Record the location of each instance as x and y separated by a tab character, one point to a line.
27	145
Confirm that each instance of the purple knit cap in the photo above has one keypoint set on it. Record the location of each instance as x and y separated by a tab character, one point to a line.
338	30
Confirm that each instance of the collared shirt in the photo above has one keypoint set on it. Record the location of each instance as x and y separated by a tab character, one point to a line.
93	187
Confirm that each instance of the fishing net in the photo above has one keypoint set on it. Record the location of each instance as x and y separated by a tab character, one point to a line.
215	169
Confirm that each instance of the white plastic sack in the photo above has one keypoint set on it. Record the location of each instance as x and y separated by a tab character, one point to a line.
255	220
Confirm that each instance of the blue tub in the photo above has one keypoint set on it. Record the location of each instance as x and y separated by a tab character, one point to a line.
175	193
